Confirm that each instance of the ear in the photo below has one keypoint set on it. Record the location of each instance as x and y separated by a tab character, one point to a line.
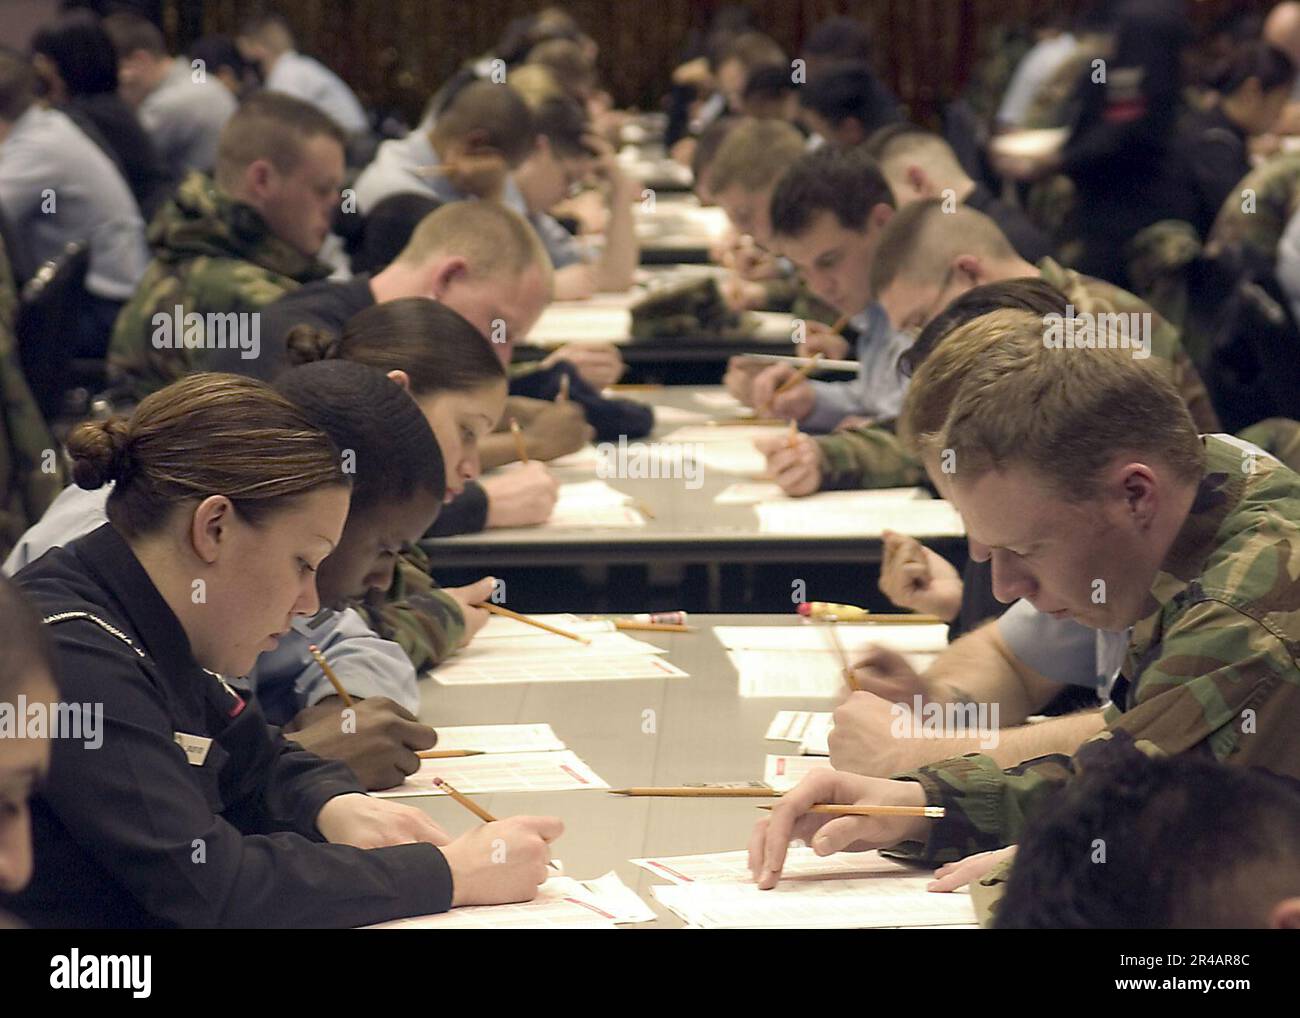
401	378
918	181
971	267
476	140
258	178
446	272
210	527
1285	915
879	216
1141	493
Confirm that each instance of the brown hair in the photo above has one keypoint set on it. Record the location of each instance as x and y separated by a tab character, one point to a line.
496	110
28	650
270	126
754	154
1010	397
207	434
438	349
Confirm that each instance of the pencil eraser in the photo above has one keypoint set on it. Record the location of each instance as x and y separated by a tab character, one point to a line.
437	781
805	608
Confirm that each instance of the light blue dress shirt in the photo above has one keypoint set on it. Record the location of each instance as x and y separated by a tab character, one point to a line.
57	186
311	81
878	390
184	118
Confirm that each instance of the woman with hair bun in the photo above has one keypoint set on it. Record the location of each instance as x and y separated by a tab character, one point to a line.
191	810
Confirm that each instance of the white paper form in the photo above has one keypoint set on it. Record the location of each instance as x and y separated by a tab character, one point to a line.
718	399
781	772
796	673
761	492
561	903
793	725
593	504
854	637
818	515
537	738
868	902
528	647
500	772
584	664
586	458
504	627
801	863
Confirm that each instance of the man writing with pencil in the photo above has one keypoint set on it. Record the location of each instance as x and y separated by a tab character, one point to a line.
1081	478
827	214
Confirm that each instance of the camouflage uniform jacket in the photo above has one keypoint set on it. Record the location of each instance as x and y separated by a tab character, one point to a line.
212	255
417	615
1274	196
31	470
1211	666
874	458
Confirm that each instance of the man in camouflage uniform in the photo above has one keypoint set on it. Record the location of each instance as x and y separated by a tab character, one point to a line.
972	251
1192	537
31	468
1256	212
232	244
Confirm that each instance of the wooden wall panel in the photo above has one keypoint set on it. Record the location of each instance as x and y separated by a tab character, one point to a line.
395	52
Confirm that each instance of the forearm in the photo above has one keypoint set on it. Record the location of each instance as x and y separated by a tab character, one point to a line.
976	669
497	450
1007	747
618	262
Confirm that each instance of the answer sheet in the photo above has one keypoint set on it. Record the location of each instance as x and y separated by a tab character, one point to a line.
536	738
781	773
816	514
561	903
810	729
500	772
801	862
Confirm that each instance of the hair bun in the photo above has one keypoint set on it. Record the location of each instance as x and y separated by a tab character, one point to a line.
99	451
305	344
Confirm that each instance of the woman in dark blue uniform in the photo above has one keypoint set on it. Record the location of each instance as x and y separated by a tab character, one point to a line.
192	811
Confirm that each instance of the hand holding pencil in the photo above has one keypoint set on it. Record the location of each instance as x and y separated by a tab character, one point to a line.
794	817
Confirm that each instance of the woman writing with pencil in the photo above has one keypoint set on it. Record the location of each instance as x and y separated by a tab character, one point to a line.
190	810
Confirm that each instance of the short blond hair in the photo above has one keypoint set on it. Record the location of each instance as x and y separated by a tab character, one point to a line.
754	155
493	239
994	393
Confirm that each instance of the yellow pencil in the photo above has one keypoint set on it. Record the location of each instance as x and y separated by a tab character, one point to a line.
932	812
329	674
845	669
465	801
700	792
497	609
521	449
444	754
799	375
792	437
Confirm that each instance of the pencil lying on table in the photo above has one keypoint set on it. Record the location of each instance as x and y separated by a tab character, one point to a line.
497	609
736	422
932	812
701	792
852	613
329	674
521	449
445	754
799	375
466	801
631	625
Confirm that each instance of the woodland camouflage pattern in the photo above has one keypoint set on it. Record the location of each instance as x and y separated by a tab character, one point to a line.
417	615
1276	187
874	458
211	254
1211	667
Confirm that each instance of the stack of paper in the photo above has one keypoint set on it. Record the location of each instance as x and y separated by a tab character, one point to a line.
810	729
850	890
801	661
593	504
500	772
561	903
829	514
